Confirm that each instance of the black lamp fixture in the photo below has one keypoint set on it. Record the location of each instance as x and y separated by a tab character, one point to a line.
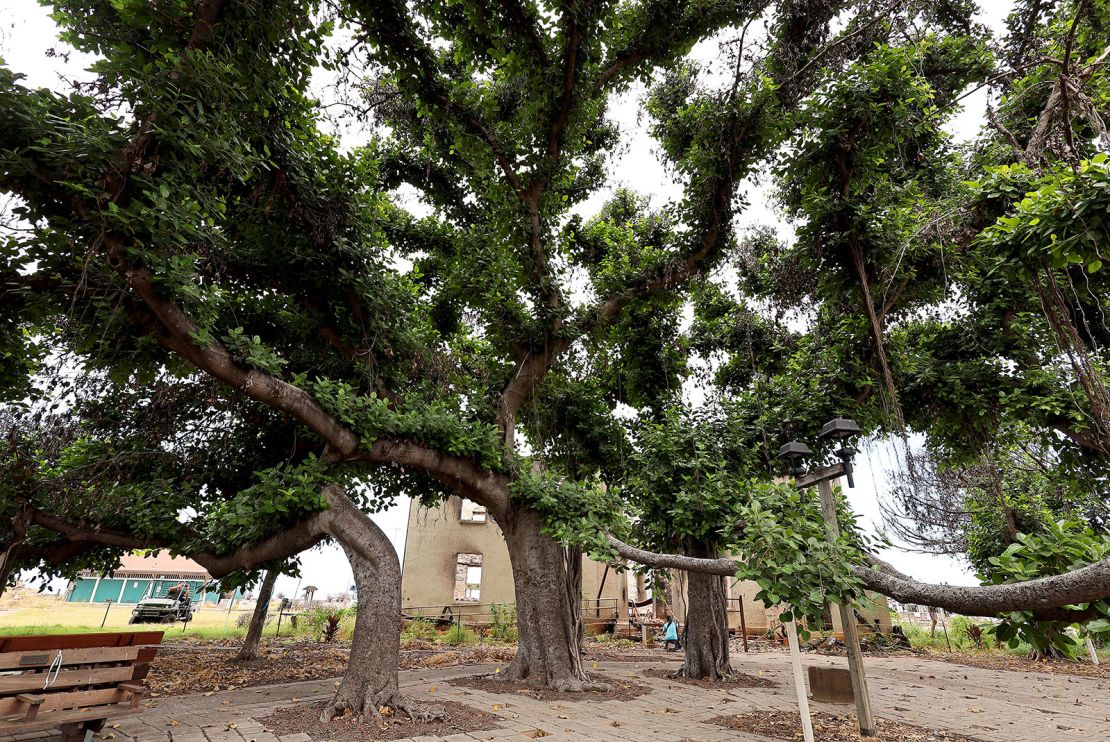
796	453
841	429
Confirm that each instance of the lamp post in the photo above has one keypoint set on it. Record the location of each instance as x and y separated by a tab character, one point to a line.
841	429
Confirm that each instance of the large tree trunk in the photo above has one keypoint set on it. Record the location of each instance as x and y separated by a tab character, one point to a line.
706	632
370	681
548	606
249	650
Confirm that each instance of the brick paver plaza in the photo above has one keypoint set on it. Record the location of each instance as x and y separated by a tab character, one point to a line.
988	704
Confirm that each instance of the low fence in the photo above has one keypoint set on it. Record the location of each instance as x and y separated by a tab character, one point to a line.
602	610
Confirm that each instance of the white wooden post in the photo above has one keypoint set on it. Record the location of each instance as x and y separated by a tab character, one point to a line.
92	598
799	680
121	589
867	726
1091	650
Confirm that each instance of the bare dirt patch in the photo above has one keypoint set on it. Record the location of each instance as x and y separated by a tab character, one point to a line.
832	728
619	689
305	718
616	655
205	667
737	680
1012	663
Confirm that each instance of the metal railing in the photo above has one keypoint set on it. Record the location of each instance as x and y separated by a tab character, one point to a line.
481	614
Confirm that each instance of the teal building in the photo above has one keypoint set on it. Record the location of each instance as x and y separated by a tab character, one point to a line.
141	575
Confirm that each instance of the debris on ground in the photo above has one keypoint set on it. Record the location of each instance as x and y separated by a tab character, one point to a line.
305	719
181	668
1019	663
620	689
736	680
833	728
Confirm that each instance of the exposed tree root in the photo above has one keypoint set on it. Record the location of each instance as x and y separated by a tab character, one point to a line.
561	685
376	706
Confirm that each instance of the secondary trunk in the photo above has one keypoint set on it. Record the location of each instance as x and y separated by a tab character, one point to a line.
706	632
548	582
249	650
370	682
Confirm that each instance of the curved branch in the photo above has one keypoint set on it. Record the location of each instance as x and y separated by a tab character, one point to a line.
341	521
725	567
1045	596
485	487
295	539
1083	585
217	361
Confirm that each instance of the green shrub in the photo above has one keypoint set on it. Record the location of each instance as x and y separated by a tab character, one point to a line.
613	640
323	622
419	629
458	635
502	625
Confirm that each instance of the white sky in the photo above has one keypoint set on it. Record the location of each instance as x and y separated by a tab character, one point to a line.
27	34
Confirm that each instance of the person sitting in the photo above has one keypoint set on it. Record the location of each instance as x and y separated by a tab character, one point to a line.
670	634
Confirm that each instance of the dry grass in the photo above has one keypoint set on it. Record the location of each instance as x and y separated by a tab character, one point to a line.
27	612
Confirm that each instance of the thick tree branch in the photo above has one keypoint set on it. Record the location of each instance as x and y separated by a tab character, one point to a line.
530	370
724	567
485	487
1044	596
215	359
1083	585
341	520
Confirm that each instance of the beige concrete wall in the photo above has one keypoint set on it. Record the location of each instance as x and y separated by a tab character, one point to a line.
436	536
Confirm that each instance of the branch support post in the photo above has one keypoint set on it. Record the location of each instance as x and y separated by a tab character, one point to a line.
867	726
799	679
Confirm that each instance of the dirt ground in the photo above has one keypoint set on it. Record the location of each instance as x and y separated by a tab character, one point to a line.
1011	663
206	667
832	728
619	689
738	680
195	666
306	719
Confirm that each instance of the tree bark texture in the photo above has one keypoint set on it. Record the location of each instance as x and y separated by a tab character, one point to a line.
548	606
370	682
249	650
706	630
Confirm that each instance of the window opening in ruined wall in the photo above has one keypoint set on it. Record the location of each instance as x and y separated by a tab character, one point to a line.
472	512
468	578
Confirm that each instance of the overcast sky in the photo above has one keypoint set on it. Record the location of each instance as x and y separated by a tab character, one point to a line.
27	36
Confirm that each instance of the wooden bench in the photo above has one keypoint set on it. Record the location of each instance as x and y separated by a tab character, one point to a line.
74	682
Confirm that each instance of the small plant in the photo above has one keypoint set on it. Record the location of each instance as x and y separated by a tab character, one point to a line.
331	626
502	625
420	629
324	622
458	635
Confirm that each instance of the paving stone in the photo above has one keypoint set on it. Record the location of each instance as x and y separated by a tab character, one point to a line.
302	737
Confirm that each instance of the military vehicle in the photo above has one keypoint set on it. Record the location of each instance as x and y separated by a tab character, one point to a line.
167	605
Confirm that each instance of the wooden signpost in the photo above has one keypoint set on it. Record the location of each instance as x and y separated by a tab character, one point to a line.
823	479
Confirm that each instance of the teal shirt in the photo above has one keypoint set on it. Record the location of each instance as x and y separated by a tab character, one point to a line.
670	632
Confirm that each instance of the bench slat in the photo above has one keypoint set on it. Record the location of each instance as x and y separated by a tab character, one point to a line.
47	642
85	656
69	700
24	666
49	720
66	679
